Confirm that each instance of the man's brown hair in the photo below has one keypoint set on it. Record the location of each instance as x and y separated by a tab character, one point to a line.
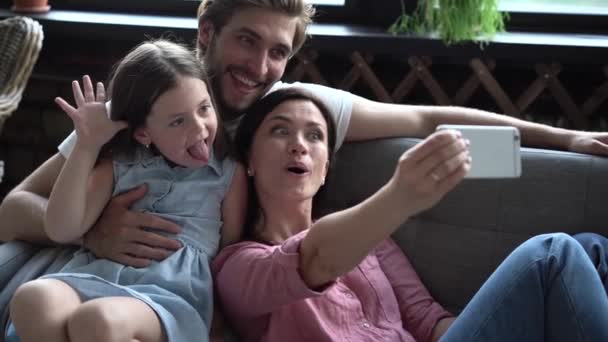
219	12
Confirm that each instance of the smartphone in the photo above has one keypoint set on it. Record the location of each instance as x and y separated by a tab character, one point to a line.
495	150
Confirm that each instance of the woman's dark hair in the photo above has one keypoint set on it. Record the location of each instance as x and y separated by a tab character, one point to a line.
249	125
140	78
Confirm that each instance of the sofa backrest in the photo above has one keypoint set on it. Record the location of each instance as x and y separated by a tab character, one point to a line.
458	243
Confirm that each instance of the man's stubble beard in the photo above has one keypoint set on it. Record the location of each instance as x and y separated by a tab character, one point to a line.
226	112
215	74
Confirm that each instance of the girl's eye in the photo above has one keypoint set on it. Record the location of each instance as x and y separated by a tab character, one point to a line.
280	130
205	109
176	122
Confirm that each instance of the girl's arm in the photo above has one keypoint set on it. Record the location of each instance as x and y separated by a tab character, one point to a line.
81	191
234	207
338	242
79	195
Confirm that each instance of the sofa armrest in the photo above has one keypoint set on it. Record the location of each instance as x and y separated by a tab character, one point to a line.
456	245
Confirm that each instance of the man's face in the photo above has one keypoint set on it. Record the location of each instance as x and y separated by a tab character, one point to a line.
247	56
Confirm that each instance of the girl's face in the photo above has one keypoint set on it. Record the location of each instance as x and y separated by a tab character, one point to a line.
182	124
289	153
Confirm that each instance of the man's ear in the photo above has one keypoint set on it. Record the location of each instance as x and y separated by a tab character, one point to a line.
205	34
141	135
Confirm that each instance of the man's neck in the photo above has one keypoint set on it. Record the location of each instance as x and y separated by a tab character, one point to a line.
227	114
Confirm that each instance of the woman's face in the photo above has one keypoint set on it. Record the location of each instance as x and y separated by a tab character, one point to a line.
289	153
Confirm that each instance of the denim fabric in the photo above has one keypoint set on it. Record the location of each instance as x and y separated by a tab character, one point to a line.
11	334
546	290
596	247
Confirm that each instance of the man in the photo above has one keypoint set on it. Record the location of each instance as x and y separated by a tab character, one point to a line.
246	45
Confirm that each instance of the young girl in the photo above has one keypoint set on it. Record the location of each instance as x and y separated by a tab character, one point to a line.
160	94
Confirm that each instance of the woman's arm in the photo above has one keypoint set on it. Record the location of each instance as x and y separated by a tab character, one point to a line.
234	207
441	327
338	242
422	316
272	275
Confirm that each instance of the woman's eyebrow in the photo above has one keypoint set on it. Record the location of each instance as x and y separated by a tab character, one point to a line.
284	118
315	124
280	117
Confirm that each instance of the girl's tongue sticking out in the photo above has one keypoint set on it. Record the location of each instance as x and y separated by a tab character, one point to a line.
199	151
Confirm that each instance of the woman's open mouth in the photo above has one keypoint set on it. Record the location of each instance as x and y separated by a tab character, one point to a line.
298	169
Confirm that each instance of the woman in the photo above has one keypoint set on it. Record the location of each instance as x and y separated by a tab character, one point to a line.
342	277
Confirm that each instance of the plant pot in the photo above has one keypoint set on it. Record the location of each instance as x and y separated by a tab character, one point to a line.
31	6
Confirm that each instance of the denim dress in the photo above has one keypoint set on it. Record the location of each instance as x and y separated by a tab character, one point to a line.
179	288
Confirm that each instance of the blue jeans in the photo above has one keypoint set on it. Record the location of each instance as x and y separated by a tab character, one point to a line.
596	247
546	290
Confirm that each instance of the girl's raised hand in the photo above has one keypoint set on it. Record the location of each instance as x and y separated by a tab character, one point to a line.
91	122
427	171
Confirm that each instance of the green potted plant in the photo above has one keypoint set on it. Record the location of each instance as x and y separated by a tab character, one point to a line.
31	6
453	21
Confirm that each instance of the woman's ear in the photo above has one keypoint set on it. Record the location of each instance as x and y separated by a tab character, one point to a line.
141	135
250	170
205	34
325	173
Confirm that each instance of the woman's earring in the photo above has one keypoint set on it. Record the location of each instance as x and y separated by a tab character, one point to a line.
249	172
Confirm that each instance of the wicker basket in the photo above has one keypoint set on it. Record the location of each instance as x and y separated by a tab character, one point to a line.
20	44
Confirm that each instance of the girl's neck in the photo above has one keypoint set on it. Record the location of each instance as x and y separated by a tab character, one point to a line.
282	219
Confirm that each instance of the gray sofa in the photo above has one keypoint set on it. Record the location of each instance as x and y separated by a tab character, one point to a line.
458	243
455	245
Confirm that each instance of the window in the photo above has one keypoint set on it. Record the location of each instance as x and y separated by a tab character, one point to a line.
169	7
556	6
574	16
328	2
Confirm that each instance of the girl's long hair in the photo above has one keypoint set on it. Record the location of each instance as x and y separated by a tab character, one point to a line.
140	78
